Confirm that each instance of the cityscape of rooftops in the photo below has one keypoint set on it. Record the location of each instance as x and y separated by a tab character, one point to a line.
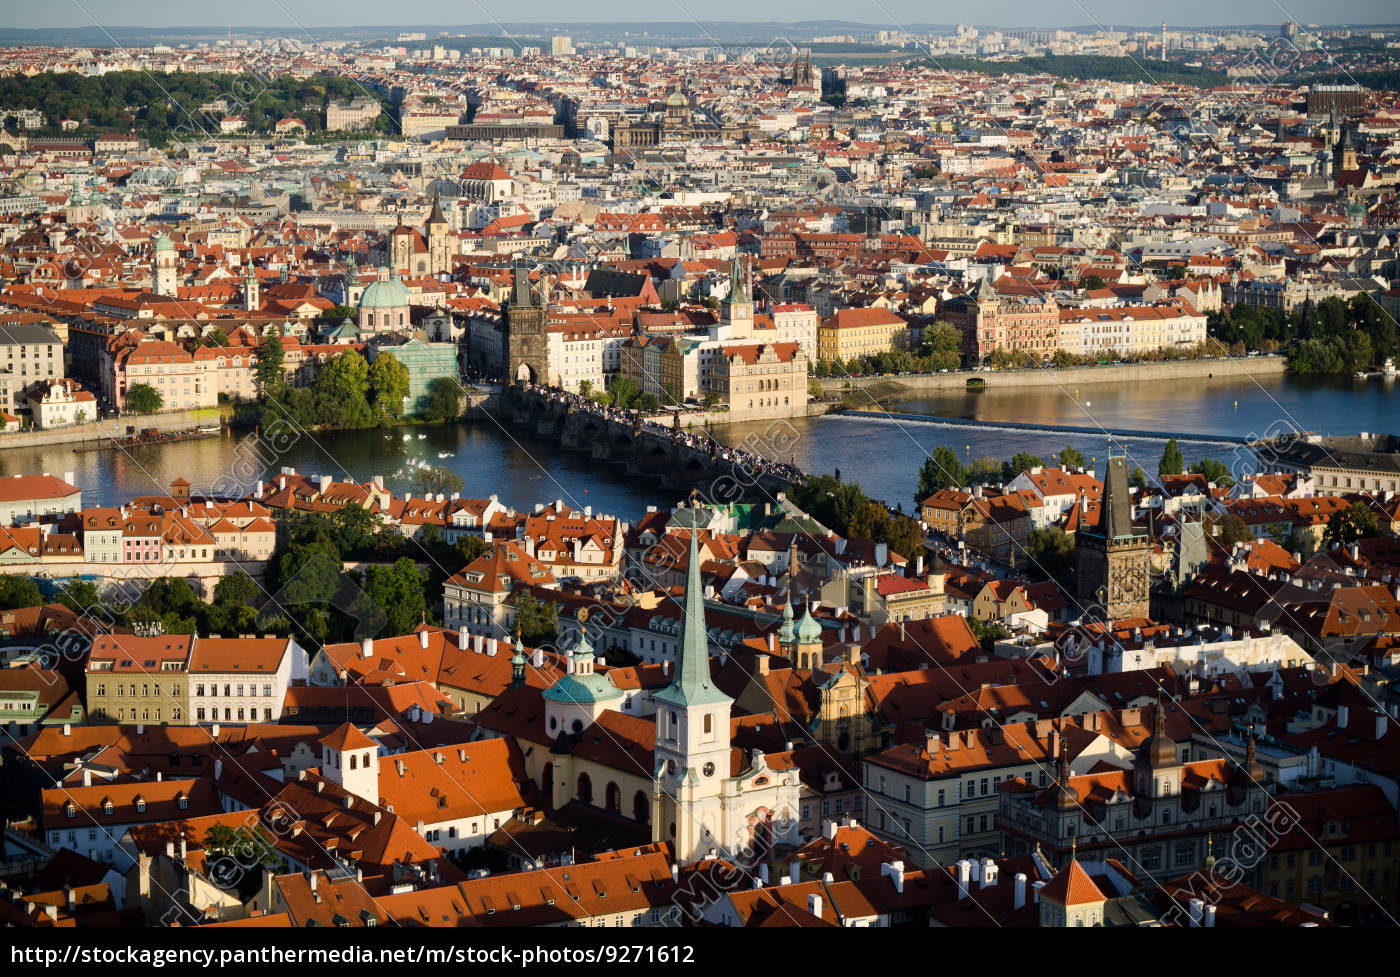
684	470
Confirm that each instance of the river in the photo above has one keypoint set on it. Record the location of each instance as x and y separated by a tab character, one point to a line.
883	455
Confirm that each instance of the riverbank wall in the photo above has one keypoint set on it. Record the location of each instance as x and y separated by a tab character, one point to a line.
114	427
1243	367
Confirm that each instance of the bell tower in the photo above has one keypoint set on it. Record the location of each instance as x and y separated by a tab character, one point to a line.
1113	556
527	338
692	731
163	270
350	759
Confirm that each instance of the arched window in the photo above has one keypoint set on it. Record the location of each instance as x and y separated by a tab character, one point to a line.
547	778
641	807
709	724
585	788
613	798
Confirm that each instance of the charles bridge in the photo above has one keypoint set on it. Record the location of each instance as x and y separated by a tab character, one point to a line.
678	459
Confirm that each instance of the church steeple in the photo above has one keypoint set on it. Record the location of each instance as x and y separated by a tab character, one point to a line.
692	684
435	216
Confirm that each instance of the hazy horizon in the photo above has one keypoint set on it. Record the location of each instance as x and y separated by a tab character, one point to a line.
292	15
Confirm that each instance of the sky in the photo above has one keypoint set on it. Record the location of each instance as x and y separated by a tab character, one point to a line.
876	13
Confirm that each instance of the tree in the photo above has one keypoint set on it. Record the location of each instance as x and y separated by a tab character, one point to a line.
1214	470
624	391
236	588
355	530
1052	555
270	379
537	622
941	346
142	398
398	591
16	591
445	400
1172	463
388	385
470	548
78	595
215	337
341	392
437	480
940	470
1072	457
1348	525
987	634
1091	282
1138	478
1227	530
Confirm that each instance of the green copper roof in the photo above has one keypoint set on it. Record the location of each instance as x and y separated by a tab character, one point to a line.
582	689
808	630
692	685
786	633
163	243
387	293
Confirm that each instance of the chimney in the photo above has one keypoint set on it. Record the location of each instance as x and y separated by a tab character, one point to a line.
1020	889
69	899
490	647
1197	911
462	639
1036	887
989	872
895	870
814	905
537	658
1209	916
760	663
1343	717
423	639
675	872
964	870
772	642
1380	726
366	647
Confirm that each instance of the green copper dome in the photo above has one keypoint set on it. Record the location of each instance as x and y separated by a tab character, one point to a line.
808	630
786	633
581	689
163	243
386	293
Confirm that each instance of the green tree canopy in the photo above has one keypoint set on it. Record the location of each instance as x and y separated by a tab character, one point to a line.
437	479
445	400
1214	470
398	591
1348	525
142	398
17	591
1172	462
940	470
1072	457
270	357
388	385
